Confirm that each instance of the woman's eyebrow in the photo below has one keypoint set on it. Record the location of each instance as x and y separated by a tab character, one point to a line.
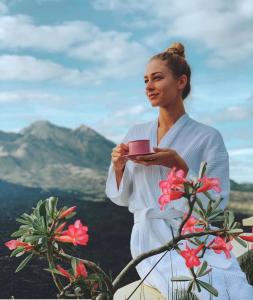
152	74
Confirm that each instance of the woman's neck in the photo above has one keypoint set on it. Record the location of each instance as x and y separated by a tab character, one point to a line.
167	117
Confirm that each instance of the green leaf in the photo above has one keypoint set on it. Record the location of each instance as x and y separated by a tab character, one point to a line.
202	268
240	241
186	188
190	286
181	278
208	287
202	169
217	203
24	262
231	218
26	227
206	272
199	202
70	216
27	217
16	251
32	238
235	230
198	286
39	225
217	219
22	221
209	207
209	196
18	233
215	214
74	262
53	271
52	204
43	212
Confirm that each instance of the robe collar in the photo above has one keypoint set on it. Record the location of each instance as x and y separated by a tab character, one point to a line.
170	134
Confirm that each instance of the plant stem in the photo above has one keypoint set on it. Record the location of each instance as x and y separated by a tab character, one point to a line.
90	265
170	245
191	205
52	265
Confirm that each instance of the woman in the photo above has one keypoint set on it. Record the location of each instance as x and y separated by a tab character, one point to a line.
179	141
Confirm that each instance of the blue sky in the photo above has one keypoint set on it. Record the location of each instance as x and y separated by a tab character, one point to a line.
76	62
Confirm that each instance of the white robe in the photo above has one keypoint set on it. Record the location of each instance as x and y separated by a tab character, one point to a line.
139	190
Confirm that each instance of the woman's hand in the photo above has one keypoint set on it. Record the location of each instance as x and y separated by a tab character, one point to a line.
165	157
118	160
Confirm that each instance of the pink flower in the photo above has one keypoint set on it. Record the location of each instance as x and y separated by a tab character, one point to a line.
166	198
219	245
64	272
190	225
172	187
80	271
60	228
190	256
13	244
209	184
67	212
76	234
248	238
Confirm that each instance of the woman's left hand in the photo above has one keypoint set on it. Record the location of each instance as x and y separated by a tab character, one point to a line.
163	156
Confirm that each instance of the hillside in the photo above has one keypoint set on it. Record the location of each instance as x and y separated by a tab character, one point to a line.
51	157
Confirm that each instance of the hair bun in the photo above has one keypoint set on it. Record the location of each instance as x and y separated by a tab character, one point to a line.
176	48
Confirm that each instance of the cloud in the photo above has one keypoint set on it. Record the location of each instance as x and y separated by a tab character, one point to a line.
232	114
29	68
14	67
20	32
123	6
134	110
46	1
241	152
77	39
113	54
124	118
3	7
28	96
221	27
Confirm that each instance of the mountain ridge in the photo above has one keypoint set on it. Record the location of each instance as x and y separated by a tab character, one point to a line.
47	156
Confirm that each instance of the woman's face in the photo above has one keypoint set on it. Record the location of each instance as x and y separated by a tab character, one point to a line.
162	89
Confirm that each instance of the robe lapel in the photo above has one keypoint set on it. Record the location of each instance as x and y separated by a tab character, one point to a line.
171	134
161	172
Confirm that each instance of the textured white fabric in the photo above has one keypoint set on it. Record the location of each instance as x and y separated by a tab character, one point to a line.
139	191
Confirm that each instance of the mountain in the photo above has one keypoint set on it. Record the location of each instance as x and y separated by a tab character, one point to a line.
243	187
54	158
47	156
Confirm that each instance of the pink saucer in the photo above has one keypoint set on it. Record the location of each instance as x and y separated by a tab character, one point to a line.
139	154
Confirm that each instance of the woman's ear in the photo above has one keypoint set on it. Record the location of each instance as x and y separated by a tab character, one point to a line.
182	81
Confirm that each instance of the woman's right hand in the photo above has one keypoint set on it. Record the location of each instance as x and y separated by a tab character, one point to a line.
118	160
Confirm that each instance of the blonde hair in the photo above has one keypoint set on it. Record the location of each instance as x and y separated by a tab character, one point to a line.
176	62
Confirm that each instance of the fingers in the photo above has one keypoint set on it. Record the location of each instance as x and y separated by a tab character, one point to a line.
118	153
145	163
147	157
121	148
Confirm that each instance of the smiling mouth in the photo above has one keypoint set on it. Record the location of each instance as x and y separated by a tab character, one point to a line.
151	96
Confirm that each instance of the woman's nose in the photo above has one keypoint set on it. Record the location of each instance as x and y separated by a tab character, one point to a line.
149	85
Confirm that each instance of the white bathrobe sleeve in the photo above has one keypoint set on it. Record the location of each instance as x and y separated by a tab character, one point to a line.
217	158
120	196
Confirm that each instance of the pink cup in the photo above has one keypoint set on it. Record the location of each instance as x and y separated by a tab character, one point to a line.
139	147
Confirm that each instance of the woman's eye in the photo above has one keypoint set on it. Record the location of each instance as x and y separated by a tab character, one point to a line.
154	79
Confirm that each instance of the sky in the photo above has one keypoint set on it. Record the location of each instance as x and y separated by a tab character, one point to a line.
75	62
